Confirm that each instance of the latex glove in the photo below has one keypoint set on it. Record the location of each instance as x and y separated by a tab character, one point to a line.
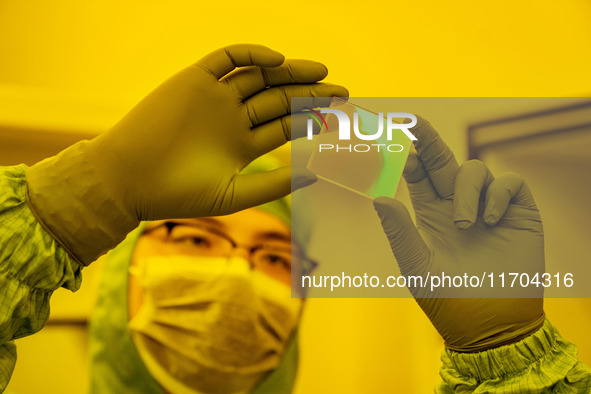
452	234
179	152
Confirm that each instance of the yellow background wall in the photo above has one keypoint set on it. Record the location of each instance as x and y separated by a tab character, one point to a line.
76	66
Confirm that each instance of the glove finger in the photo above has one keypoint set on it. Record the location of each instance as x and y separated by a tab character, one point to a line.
250	190
473	178
410	251
276	102
275	133
419	185
224	60
438	160
250	80
508	188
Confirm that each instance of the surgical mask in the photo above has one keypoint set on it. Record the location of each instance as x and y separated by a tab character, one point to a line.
211	325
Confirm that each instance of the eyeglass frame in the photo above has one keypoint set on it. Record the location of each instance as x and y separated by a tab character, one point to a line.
169	224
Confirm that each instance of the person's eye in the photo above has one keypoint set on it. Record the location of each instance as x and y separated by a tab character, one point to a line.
194	241
277	260
199	241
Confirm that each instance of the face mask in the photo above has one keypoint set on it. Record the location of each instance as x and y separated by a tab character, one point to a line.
211	325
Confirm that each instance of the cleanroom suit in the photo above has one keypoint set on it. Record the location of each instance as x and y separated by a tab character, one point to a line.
541	362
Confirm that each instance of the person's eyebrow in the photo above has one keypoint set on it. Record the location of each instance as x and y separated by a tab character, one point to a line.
274	236
209	221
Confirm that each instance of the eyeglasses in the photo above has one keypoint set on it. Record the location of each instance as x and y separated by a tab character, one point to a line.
276	258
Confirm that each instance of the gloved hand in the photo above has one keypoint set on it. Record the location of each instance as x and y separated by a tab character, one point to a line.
452	234
179	152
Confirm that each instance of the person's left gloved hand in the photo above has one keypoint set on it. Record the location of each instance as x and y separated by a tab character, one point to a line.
452	235
179	152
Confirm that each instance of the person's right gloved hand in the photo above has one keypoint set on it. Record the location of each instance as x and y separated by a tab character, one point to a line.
466	218
179	152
